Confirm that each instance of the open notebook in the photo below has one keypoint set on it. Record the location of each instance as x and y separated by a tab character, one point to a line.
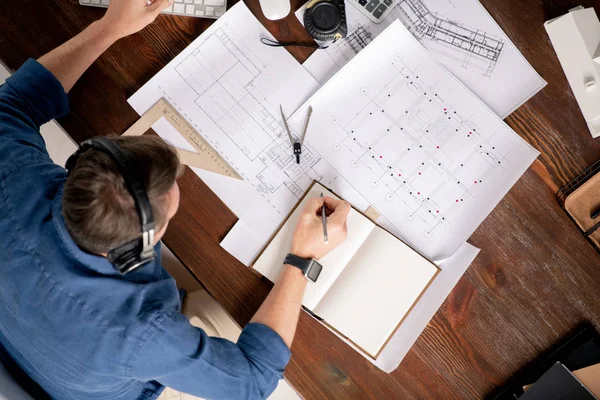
368	283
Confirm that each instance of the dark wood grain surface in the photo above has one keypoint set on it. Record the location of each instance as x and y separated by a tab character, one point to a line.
535	279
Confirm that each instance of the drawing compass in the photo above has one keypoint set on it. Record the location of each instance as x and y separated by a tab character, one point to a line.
297	144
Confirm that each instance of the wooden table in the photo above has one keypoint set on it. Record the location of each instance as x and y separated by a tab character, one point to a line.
535	279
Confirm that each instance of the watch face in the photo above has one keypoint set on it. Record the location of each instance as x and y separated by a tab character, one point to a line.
314	271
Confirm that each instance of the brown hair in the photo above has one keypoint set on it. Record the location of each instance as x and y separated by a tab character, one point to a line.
99	211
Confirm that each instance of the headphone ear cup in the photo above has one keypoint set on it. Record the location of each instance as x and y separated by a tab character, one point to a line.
72	160
127	257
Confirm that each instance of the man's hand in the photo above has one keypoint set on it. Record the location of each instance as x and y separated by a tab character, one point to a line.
281	308
125	17
308	239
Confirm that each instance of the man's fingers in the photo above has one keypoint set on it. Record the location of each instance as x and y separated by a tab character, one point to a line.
313	205
341	212
339	209
332	203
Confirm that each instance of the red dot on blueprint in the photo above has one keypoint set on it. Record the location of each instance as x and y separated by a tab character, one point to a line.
399	174
380	156
438	211
444	109
457	200
475	182
418	192
419	173
437	147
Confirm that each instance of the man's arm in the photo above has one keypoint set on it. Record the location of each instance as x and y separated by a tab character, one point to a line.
35	93
281	308
181	356
123	17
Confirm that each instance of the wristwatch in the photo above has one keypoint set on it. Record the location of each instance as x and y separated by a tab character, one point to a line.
310	268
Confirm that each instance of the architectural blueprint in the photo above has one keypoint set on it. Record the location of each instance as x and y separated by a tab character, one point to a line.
472	47
414	142
460	34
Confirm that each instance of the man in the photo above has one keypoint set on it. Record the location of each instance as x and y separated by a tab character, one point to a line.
68	320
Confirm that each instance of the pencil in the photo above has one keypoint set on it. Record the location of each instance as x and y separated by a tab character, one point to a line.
324	219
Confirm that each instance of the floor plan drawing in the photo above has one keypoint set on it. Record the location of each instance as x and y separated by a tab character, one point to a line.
425	152
459	33
470	46
229	92
414	150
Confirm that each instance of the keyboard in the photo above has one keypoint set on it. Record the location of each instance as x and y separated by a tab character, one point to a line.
375	10
189	8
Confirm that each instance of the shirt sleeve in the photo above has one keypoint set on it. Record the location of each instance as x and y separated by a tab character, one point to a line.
30	97
185	358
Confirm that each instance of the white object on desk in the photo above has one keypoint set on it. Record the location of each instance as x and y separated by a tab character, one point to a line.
576	39
275	9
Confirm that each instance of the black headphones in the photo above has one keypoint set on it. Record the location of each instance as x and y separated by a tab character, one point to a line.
140	251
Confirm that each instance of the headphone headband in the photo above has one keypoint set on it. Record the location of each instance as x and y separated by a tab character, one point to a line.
138	252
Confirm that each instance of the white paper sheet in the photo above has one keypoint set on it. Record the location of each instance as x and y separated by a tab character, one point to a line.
229	86
460	34
241	243
425	152
415	322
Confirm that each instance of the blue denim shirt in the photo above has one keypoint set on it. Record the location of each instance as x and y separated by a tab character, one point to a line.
68	319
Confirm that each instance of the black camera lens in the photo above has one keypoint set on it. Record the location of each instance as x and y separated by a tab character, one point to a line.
325	20
326	16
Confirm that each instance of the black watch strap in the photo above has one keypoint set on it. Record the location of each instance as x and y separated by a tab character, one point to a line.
310	268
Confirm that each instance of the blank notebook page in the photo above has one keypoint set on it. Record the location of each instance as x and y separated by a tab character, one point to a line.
376	290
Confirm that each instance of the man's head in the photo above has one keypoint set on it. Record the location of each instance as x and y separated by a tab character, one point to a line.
98	209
